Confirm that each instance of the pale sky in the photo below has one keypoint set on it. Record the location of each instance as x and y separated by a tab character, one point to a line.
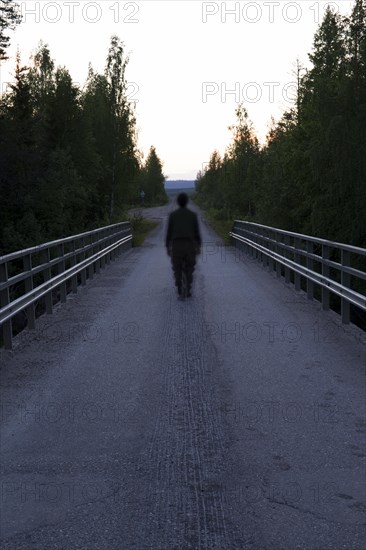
191	62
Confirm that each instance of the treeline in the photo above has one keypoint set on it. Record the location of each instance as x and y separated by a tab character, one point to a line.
9	19
69	158
310	176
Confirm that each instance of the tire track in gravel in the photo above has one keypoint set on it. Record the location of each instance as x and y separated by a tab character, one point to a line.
186	450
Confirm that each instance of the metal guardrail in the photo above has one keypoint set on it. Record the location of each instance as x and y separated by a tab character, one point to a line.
312	258
37	271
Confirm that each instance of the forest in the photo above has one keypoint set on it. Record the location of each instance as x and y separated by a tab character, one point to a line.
69	157
310	176
70	162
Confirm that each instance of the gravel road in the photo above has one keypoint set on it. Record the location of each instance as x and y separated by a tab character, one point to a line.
233	420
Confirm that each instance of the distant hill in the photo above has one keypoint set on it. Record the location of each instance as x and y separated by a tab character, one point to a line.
179	184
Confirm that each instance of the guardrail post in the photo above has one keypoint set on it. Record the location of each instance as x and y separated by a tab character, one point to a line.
96	248
256	253
236	243
7	329
253	251
325	272
247	249
47	277
271	247
102	259
114	251
297	259
117	250
83	271
346	281
91	252
309	265
250	248
28	286
61	269
278	249
260	254
109	241
74	278
264	244
287	255
124	246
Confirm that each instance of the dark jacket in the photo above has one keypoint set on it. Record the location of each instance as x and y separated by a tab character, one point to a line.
183	224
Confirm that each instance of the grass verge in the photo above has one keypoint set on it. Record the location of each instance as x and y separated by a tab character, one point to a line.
221	226
141	227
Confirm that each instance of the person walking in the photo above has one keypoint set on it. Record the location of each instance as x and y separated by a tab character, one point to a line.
183	242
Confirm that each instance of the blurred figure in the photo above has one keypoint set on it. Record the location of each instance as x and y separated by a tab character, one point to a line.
183	242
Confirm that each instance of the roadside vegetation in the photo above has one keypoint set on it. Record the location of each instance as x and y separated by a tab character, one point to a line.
309	177
141	227
69	157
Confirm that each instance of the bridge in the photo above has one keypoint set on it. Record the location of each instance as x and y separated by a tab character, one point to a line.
235	419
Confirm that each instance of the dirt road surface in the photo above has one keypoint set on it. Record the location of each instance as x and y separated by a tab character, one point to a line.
233	420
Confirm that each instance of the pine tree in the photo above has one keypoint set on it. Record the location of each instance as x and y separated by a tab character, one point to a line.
152	179
19	164
9	19
123	153
238	194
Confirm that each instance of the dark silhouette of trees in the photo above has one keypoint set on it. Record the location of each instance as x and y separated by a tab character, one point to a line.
9	19
310	175
69	160
152	179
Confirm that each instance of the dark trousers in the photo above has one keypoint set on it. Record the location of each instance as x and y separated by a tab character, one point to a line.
183	250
